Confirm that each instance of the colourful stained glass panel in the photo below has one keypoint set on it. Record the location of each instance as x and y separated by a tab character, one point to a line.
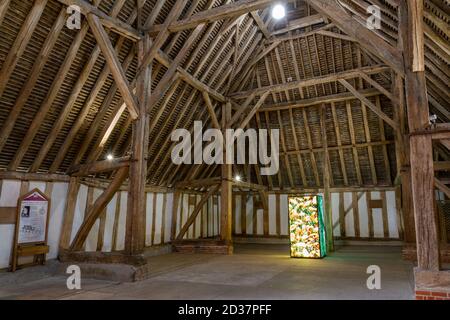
306	227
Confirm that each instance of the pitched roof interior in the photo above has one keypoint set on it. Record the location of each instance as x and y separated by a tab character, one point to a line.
68	99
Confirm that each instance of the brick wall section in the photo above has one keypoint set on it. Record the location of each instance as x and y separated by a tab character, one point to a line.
432	295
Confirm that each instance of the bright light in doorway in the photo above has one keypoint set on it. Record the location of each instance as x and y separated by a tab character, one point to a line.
278	12
110	157
237	178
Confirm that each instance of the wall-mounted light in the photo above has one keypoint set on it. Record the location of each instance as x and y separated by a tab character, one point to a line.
278	12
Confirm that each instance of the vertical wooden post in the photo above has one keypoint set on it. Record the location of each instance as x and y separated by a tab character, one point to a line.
403	194
69	212
135	228
421	150
326	184
226	188
176	201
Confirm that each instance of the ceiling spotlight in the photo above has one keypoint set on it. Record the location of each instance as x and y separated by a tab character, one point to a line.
278	12
237	178
110	157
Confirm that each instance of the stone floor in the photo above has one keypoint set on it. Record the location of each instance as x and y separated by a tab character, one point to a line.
253	272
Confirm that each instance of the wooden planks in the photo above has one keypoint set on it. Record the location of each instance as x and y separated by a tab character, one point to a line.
3	8
34	74
21	42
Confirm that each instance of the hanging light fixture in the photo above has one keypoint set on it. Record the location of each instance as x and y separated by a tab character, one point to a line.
278	11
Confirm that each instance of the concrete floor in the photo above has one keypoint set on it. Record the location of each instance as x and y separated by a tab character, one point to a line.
253	272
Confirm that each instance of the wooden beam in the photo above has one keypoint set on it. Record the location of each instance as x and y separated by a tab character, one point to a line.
305	34
248	185
197	183
170	75
369	104
69	212
109	22
97	208
237	115
261	25
317	101
26	176
197	84
336	35
367	38
253	110
415	28
441	186
197	209
339	142
249	64
379	87
445	143
421	151
351	129
441	165
226	210
340	147
99	166
349	74
326	183
176	201
211	111
135	226
116	69
304	22
163	33
218	13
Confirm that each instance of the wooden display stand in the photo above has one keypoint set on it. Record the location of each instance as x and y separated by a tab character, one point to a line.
30	236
